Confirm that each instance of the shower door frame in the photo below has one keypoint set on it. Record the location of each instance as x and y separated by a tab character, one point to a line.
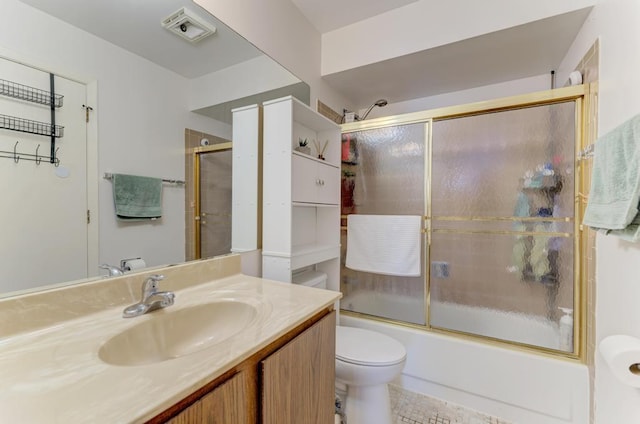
197	211
578	94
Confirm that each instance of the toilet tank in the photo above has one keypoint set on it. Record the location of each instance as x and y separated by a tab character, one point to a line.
311	278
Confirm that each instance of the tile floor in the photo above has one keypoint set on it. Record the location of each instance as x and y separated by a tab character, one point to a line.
414	408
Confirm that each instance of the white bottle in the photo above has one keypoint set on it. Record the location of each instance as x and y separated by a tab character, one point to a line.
566	330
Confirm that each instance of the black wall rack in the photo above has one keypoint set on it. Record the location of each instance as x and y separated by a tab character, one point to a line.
29	94
34	95
31	127
37	158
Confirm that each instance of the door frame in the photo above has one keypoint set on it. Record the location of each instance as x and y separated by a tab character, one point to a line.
197	151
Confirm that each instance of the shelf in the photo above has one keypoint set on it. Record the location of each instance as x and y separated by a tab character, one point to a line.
305	115
29	94
310	254
314	205
306	156
31	127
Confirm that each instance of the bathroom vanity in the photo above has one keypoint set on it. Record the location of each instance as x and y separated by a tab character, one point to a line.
287	382
232	349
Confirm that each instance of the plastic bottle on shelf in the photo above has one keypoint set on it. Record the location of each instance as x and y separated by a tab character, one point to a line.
566	330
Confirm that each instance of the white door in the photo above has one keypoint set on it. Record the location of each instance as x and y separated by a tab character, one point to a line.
43	214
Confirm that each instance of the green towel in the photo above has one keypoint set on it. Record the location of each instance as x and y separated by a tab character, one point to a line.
137	198
630	233
615	183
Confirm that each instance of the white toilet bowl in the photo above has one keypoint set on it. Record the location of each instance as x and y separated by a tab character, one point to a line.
365	362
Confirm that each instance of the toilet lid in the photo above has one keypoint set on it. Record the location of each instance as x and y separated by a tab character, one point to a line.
363	347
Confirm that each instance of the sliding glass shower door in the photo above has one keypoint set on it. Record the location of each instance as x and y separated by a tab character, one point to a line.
497	186
502	237
383	173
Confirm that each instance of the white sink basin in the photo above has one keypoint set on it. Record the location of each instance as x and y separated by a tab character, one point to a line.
172	334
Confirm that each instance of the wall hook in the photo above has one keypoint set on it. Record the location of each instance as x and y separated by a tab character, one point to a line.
56	160
38	158
16	158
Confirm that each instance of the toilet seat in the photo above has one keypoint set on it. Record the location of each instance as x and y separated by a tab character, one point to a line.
368	348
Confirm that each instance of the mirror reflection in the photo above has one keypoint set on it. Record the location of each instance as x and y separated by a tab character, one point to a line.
139	99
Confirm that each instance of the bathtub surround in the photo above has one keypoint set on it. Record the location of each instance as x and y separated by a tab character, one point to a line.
520	328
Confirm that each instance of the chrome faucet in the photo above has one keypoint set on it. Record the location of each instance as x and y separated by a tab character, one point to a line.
113	270
152	299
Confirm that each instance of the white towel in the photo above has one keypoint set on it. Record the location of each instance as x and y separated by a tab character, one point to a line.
384	244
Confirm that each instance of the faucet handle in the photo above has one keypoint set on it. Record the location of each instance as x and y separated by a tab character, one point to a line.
150	285
155	277
113	270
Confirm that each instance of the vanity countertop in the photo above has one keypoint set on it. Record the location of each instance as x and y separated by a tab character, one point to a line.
53	374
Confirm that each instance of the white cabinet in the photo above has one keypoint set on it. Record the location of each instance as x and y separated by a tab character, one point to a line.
301	192
314	182
246	206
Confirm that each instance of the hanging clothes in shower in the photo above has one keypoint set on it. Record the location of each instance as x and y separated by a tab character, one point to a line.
535	253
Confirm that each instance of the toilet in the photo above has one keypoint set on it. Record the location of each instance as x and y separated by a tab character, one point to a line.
365	362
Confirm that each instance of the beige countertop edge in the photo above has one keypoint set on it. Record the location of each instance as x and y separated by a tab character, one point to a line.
54	375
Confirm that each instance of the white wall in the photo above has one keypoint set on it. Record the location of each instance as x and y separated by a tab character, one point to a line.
477	94
142	112
280	30
426	24
253	76
615	23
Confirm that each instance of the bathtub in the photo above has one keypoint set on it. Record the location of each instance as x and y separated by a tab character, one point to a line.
520	328
516	385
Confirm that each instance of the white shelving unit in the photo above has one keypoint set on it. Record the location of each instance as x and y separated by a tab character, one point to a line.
301	193
246	195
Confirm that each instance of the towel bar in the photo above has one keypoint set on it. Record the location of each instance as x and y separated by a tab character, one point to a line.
109	176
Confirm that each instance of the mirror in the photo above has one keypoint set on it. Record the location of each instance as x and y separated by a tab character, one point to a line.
140	86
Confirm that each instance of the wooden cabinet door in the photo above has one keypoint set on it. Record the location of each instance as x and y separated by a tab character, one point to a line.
224	405
298	380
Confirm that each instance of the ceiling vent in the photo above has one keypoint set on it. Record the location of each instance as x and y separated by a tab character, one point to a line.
188	25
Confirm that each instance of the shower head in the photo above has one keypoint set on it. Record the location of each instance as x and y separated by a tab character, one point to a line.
379	103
